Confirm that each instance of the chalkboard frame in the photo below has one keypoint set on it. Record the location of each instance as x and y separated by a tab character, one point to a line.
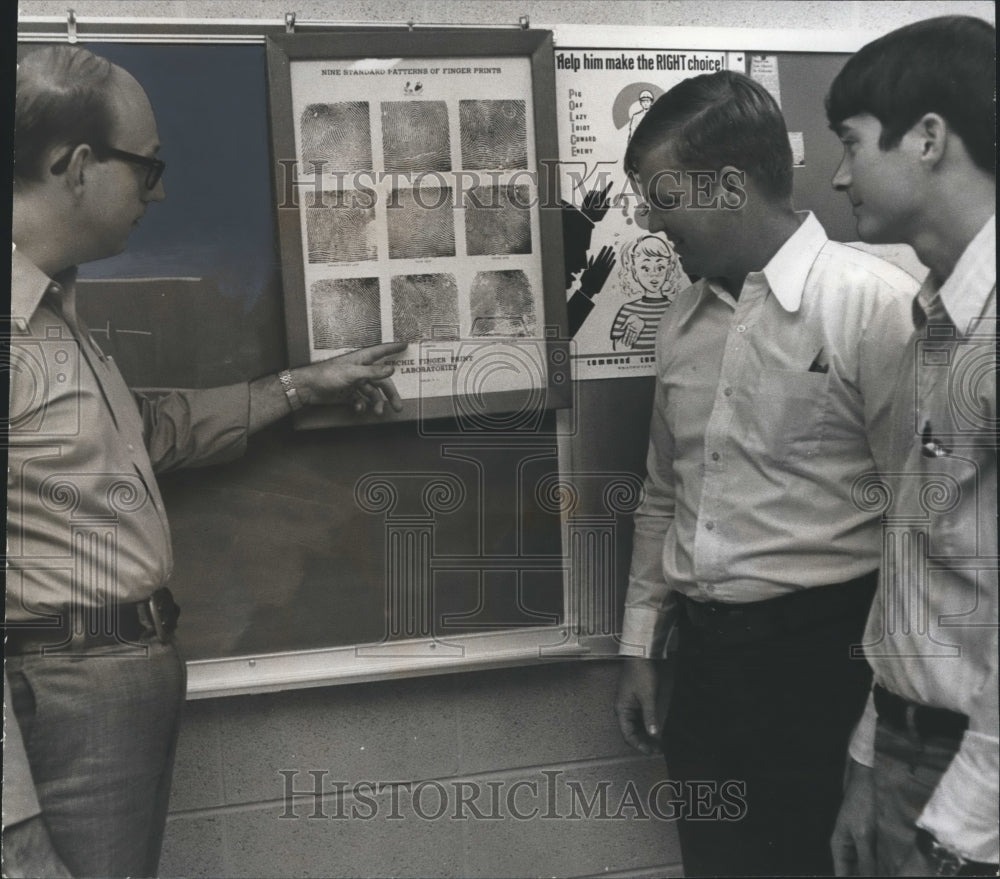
551	350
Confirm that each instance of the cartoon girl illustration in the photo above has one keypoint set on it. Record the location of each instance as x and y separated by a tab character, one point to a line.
650	270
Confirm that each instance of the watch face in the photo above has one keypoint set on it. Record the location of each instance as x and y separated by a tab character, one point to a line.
942	860
946	864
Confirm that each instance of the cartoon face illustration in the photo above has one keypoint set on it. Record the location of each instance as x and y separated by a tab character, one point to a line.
650	276
645	99
651	271
647	264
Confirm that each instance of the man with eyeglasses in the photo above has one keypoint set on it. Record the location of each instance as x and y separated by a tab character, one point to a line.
93	683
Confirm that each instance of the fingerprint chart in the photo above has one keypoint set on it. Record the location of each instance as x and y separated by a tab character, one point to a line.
426	227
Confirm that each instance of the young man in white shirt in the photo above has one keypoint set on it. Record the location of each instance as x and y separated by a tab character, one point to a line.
771	373
917	116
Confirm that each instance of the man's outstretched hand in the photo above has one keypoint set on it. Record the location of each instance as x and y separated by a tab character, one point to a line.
358	379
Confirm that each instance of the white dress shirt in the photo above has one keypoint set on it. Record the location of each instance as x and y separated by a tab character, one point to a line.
759	432
932	633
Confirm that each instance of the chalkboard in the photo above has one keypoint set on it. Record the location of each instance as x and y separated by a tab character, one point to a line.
282	550
396	548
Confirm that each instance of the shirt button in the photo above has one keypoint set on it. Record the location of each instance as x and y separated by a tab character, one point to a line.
741	328
131	448
710	525
728	392
715	456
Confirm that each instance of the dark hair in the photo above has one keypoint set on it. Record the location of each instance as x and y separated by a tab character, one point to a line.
943	65
719	119
63	98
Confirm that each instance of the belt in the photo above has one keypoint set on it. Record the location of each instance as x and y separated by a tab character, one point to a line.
914	718
86	627
750	621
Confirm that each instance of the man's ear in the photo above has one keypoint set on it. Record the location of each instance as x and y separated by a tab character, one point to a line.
75	167
730	174
932	134
731	185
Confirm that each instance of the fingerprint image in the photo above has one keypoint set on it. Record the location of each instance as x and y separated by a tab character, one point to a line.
497	220
493	134
340	227
415	136
424	307
345	313
502	304
338	135
421	223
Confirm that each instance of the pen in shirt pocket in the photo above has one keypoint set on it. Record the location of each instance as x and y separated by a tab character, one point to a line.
819	363
931	446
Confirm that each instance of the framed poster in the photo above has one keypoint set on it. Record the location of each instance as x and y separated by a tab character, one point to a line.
619	278
411	181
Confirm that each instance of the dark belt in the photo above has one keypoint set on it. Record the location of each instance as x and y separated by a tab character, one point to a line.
83	628
750	621
912	717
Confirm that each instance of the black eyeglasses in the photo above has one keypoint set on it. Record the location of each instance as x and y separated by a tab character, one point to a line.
154	167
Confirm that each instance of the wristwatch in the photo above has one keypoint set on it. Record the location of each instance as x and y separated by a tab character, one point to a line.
946	862
291	393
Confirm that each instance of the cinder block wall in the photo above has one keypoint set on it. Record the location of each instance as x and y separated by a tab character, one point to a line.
518	772
538	744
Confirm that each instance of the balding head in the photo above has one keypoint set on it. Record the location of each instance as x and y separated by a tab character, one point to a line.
65	97
86	143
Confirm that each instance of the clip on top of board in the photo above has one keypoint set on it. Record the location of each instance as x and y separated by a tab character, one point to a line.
71	35
524	22
289	22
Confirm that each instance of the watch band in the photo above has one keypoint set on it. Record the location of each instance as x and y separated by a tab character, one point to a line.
291	392
946	862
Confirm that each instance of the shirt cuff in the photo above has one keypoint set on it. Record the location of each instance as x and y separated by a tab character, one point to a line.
644	632
962	813
862	746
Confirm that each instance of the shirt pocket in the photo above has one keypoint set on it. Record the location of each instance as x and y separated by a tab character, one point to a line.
786	414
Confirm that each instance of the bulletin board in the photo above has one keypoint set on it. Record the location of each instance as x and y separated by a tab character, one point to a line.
408	547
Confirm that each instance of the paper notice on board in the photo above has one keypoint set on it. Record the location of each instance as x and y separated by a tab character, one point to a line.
764	68
798	144
620	279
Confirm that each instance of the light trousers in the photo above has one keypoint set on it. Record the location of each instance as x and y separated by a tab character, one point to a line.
100	731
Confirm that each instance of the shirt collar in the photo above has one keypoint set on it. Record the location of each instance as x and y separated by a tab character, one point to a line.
29	284
789	268
786	272
964	294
